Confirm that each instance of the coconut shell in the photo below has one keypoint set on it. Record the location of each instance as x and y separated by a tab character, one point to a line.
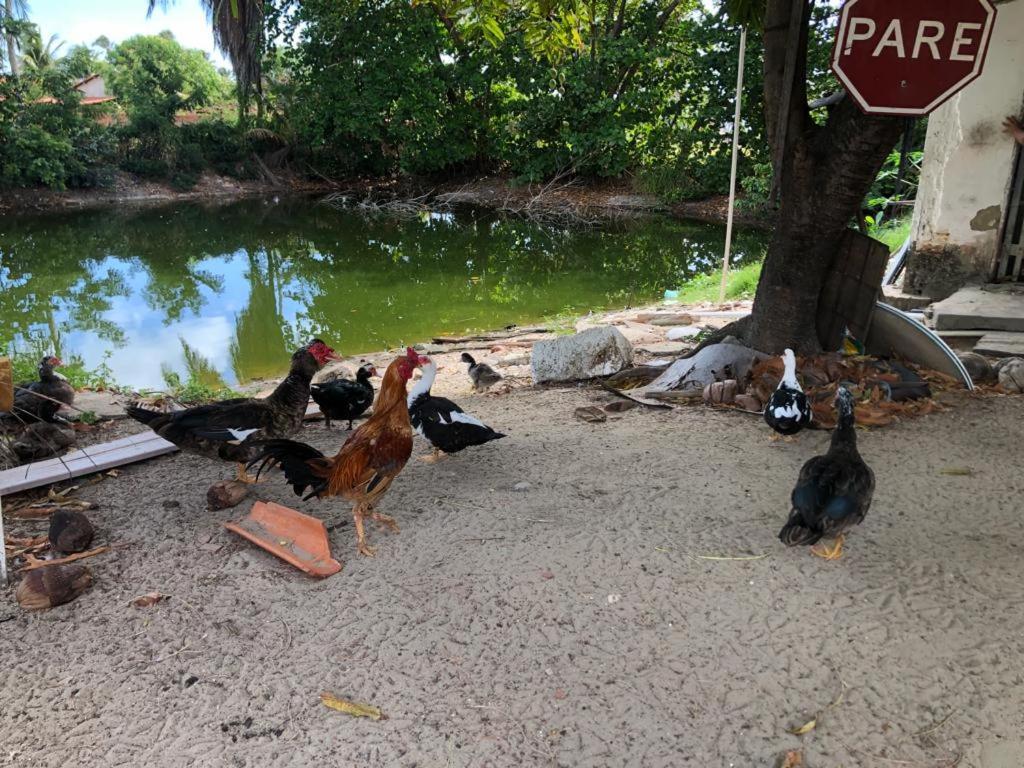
226	493
70	531
51	586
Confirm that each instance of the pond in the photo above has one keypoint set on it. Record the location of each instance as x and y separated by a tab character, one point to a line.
151	291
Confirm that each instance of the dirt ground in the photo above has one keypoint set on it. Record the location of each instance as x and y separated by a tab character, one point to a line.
573	621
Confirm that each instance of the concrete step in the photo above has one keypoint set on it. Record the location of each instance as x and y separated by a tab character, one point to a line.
894	297
989	308
1002	344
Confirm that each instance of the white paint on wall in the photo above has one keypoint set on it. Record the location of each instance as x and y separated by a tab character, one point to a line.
968	160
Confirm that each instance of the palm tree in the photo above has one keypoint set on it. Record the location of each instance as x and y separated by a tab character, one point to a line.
238	32
37	57
13	9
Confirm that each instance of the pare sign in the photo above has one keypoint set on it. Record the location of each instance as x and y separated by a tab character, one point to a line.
906	57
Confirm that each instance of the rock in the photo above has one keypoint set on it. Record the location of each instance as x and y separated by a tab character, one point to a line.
595	352
226	493
683	332
1011	375
515	358
670	321
591	414
978	366
104	405
618	406
171	504
52	585
521	487
70	531
333	371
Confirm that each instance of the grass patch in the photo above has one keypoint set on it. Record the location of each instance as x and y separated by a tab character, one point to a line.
893	232
25	367
741	284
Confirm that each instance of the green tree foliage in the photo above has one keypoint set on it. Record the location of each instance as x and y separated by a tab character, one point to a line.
154	77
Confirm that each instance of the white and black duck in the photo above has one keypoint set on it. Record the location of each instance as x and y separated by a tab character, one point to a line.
344	399
483	376
788	410
833	492
447	427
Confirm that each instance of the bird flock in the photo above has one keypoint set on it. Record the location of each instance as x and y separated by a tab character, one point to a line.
833	491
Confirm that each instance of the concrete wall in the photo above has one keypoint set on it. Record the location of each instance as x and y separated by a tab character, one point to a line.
96	86
968	163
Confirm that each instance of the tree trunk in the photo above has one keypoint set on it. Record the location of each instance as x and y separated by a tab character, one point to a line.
12	53
826	171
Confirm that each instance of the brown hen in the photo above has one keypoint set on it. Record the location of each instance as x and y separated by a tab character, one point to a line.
368	462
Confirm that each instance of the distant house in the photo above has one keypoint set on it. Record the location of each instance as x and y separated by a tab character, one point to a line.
92	88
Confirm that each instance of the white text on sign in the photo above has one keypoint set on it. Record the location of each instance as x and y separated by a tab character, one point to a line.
931	38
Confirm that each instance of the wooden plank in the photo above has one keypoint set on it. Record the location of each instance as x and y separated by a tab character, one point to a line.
1005	344
86	461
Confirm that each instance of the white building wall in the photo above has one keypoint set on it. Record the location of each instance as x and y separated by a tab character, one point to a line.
94	87
968	163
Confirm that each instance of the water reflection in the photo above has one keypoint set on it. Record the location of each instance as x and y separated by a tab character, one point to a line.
240	285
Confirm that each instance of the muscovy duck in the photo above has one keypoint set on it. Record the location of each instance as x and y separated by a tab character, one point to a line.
483	376
344	399
834	491
228	429
447	427
53	387
788	410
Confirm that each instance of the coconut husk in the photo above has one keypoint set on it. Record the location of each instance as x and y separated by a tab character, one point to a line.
49	587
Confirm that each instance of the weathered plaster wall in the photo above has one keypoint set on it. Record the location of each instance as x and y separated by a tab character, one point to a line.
967	167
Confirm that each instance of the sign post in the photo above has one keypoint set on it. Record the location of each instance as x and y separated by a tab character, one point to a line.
906	57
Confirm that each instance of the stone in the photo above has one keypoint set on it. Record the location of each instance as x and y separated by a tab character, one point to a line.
975	307
683	332
104	405
331	372
1011	375
599	351
70	531
618	406
521	487
664	319
749	403
51	586
1001	344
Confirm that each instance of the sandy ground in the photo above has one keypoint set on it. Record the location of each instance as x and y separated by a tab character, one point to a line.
573	623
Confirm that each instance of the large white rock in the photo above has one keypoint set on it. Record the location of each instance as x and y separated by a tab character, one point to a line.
1011	374
594	352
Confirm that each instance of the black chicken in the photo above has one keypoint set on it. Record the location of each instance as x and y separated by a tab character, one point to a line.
40	400
344	399
227	430
833	492
444	424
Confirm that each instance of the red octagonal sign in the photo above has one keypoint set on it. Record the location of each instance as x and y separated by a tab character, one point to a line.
906	57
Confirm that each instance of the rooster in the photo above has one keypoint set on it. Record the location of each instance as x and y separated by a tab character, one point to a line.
367	463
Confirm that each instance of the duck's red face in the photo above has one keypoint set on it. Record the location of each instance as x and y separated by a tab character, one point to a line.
322	352
54	361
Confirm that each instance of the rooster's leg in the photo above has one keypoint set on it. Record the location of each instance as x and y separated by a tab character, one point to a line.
433	458
830	553
244	476
385	520
361	546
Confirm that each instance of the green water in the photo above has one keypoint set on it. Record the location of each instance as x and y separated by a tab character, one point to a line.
241	285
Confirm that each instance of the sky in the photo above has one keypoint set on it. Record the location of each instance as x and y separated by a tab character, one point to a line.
80	22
